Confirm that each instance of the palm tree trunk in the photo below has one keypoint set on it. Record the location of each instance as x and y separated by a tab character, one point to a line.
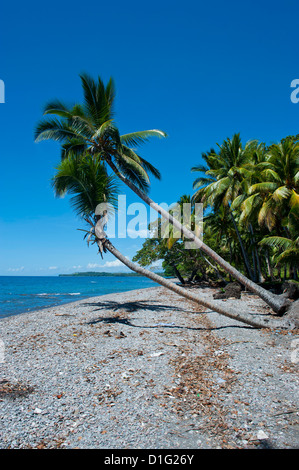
230	257
276	302
252	320
269	267
243	251
192	275
258	264
257	258
254	263
178	274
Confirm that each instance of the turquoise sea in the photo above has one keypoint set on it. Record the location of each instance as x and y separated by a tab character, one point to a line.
20	294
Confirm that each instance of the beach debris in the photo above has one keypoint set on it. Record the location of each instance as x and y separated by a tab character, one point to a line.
121	335
220	381
12	391
164	324
108	396
261	435
219	352
125	376
157	354
37	411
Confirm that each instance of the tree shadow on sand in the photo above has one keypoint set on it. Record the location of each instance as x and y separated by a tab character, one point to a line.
160	325
152	305
132	306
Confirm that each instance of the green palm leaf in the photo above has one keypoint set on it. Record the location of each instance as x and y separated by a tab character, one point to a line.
134	139
277	242
88	128
53	129
87	182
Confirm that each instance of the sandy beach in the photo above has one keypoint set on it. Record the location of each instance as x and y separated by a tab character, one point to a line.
147	369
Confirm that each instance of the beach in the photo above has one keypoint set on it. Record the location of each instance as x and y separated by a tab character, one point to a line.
146	369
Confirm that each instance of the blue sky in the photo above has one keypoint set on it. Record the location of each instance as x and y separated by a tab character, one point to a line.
200	71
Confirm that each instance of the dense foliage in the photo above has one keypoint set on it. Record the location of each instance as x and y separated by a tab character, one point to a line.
250	195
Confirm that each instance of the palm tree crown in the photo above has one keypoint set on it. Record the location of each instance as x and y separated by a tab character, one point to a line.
273	198
87	182
89	129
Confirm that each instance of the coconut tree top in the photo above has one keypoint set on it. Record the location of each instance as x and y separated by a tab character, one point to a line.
88	128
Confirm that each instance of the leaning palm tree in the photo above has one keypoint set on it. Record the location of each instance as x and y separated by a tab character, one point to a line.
89	129
87	182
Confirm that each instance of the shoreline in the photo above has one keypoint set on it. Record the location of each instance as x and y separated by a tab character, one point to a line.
145	369
37	309
63	301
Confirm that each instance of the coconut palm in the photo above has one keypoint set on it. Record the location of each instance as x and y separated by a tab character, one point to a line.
89	129
87	182
275	194
227	168
287	250
219	232
225	181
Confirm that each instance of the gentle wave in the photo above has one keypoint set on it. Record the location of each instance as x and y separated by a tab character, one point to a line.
50	294
20	294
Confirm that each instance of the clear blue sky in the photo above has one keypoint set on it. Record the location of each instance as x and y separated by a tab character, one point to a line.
200	71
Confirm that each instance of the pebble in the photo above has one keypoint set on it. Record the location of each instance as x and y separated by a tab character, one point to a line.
262	435
113	396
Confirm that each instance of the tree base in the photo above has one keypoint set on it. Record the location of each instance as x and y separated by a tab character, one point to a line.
293	313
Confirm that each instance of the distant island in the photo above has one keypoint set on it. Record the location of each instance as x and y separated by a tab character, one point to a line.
92	273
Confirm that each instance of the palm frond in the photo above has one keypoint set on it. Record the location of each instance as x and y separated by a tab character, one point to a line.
198	182
58	108
55	130
281	193
133	171
263	187
150	168
134	139
98	103
87	182
73	147
277	242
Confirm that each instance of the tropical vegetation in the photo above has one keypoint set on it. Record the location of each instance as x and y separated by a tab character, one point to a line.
89	186
88	131
250	195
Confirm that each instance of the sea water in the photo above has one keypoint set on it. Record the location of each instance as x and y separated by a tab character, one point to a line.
20	294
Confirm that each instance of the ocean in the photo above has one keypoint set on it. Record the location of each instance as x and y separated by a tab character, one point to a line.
19	294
